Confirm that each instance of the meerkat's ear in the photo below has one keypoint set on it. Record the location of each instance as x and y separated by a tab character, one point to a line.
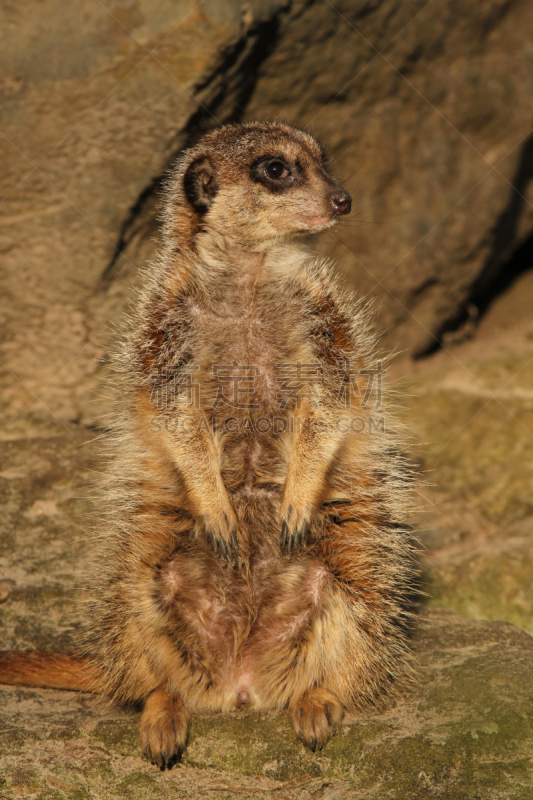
200	184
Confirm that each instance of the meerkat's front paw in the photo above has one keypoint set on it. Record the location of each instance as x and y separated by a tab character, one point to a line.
317	716
295	527
163	728
221	533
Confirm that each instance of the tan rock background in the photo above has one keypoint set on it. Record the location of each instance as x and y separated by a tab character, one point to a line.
426	108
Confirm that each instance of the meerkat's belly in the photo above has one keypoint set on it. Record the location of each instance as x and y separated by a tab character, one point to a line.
228	628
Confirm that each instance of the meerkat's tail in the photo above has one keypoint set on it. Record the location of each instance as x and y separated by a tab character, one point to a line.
48	670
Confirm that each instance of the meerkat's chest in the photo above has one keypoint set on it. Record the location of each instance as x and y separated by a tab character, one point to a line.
242	351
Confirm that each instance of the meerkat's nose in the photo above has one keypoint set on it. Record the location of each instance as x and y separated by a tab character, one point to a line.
341	202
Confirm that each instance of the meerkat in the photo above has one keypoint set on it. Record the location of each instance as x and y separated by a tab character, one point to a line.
255	552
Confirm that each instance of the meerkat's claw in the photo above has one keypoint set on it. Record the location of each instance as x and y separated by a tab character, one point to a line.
222	537
293	541
295	536
284	536
234	543
226	550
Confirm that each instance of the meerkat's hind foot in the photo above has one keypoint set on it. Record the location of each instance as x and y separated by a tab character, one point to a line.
163	727
317	715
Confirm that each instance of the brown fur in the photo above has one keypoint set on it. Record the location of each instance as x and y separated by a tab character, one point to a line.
249	568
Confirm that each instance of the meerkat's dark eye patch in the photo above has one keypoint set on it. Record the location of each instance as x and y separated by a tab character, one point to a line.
200	184
273	172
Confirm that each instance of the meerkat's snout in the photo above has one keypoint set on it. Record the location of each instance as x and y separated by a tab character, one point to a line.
326	201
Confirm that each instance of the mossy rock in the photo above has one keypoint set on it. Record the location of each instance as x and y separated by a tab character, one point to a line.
472	413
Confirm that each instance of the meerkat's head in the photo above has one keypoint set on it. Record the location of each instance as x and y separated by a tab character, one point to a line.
258	183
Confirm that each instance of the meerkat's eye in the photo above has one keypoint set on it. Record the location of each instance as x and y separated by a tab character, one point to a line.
277	170
273	172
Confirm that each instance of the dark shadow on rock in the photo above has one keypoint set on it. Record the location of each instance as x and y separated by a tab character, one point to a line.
505	263
521	261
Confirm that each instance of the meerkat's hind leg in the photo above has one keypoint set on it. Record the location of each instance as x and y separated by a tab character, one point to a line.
164	725
317	715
